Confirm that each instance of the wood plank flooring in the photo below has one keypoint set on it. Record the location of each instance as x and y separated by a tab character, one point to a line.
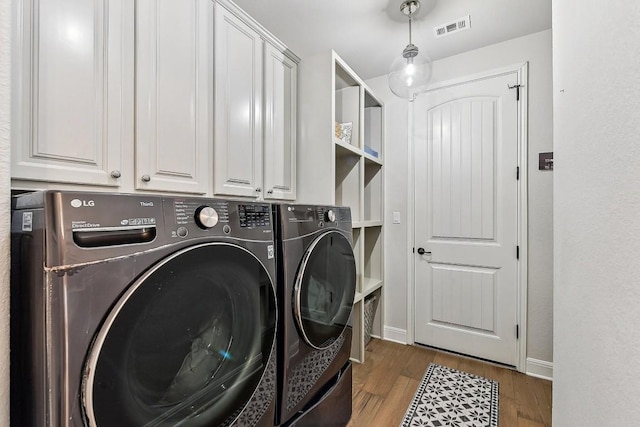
385	384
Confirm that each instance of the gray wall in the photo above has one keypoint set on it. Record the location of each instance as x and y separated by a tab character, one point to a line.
596	213
536	49
5	117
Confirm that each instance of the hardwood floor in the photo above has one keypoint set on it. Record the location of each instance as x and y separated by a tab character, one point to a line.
385	384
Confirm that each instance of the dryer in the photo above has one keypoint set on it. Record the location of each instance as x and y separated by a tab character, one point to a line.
316	289
132	310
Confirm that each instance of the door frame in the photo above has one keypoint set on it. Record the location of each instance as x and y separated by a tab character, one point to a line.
521	71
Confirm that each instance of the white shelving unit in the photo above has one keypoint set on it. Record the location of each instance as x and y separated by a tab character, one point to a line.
334	93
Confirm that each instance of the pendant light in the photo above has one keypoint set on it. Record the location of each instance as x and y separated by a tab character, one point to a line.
411	71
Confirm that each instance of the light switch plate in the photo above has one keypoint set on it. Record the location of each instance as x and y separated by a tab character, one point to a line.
396	217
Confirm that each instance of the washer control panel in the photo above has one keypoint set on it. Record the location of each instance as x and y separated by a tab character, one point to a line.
254	215
194	217
205	213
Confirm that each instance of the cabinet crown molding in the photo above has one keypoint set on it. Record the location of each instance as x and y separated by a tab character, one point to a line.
239	13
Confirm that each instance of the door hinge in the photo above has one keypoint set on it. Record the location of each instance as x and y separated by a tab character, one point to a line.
517	88
518	252
517	332
518	173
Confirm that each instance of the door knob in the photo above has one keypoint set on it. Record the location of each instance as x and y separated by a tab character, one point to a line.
421	251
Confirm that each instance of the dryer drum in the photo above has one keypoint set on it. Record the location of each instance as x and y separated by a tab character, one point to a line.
186	344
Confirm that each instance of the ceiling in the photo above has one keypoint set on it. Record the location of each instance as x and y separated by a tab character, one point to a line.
369	34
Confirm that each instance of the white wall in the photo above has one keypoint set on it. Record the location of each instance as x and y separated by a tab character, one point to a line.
596	213
536	49
5	92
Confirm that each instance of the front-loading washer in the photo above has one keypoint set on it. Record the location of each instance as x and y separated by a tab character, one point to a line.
316	289
142	310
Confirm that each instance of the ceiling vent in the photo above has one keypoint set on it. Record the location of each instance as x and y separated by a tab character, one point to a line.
456	26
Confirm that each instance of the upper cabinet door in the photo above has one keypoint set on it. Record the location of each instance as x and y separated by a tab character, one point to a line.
72	111
174	58
279	125
238	106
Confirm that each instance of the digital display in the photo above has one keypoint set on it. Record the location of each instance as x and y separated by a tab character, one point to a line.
254	215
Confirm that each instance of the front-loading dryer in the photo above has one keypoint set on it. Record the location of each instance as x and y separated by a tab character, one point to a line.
142	310
316	289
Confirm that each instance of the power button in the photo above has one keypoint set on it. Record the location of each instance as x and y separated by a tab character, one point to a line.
182	232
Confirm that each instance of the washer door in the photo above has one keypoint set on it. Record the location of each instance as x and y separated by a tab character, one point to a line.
324	289
187	344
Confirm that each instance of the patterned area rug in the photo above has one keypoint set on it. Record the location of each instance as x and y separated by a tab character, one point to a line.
448	397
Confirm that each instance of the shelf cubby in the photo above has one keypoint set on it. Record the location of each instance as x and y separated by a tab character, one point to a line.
347	111
373	126
373	259
348	181
376	330
357	325
372	191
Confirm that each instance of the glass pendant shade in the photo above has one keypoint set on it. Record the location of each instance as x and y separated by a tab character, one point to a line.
410	72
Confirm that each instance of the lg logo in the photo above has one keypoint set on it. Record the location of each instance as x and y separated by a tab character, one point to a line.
77	203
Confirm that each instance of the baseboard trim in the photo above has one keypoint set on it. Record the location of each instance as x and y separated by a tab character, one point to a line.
395	334
539	368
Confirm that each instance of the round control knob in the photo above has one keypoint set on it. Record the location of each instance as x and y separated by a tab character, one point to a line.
330	216
206	217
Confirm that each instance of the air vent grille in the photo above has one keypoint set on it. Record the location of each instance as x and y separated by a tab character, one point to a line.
455	26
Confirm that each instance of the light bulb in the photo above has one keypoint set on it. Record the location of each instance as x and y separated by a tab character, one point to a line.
411	68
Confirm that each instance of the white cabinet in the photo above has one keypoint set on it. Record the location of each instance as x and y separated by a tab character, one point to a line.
238	107
255	109
72	100
180	96
347	171
174	95
114	94
279	155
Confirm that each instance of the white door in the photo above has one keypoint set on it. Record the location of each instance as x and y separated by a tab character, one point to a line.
174	41
72	74
466	207
279	125
237	153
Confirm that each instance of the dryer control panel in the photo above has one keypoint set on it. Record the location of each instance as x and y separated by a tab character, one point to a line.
298	220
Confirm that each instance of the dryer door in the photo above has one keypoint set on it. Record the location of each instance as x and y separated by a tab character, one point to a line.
187	344
324	289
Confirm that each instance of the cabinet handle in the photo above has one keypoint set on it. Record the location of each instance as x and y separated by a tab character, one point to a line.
270	191
258	190
115	174
145	178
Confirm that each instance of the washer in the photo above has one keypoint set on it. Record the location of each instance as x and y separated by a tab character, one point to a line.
316	288
132	310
